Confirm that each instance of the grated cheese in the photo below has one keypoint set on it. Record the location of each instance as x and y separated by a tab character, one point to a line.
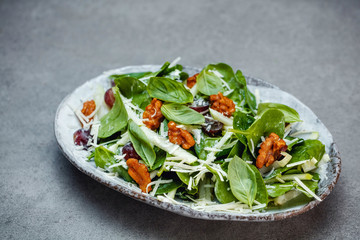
306	188
297	163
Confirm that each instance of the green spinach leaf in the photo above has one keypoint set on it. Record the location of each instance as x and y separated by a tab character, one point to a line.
104	157
242	121
222	191
115	120
208	82
134	89
270	121
278	189
294	141
250	99
141	144
242	181
261	192
307	150
168	187
168	90
222	188
160	158
185	178
290	114
181	114
204	142
134	75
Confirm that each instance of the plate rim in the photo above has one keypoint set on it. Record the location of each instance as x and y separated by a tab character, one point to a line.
186	210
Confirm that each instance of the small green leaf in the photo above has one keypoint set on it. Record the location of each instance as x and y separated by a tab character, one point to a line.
204	142
141	144
242	181
249	97
290	114
115	120
168	90
104	157
261	192
278	189
181	114
208	82
160	158
134	75
222	191
271	121
134	89
168	187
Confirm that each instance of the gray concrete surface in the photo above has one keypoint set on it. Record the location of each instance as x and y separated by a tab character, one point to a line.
47	48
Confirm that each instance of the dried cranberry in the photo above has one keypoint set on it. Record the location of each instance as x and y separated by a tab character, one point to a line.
109	97
81	137
130	152
212	127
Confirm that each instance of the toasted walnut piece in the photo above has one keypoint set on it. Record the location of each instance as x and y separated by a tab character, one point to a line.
152	115
270	150
191	81
180	136
88	108
222	104
139	173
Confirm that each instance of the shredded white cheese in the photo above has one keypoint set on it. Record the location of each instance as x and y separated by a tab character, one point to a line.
306	188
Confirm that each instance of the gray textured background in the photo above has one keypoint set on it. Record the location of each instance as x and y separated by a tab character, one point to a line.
47	48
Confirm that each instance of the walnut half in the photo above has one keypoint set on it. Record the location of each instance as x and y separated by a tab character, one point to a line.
270	150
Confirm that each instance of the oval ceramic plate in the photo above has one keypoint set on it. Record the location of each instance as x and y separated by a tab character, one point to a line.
66	124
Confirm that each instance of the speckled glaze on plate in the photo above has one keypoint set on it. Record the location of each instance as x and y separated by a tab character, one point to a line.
66	124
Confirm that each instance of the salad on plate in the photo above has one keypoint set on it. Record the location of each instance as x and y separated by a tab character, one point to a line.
205	141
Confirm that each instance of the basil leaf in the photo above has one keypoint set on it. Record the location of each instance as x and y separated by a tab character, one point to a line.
250	99
160	158
307	150
222	192
208	82
261	192
242	181
278	189
271	121
104	157
141	144
222	188
115	120
227	75
291	115
242	121
134	75
181	114
134	89
162	71
168	187
168	90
